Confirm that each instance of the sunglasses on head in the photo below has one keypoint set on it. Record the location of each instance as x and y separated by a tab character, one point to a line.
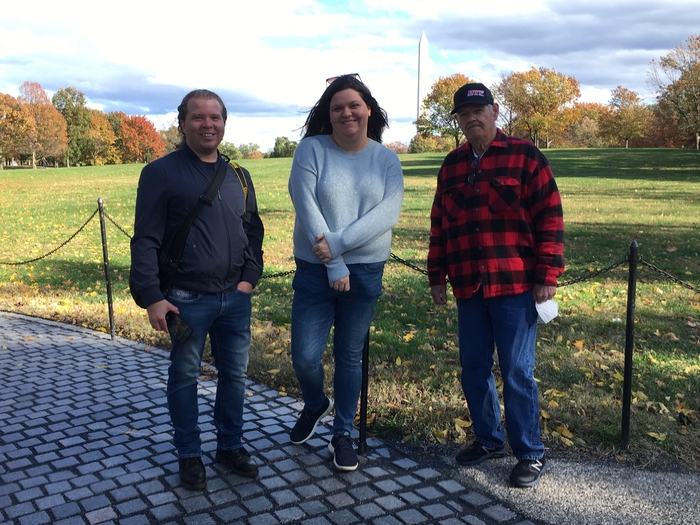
330	80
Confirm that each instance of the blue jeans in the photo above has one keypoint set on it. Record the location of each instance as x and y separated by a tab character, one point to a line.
226	318
510	323
315	308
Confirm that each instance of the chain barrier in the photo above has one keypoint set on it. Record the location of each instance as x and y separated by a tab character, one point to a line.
394	257
117	225
668	276
55	249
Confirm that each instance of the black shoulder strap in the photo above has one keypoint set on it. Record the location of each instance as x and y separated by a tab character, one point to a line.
174	248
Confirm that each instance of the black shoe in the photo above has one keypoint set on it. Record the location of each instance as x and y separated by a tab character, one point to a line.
527	472
192	473
239	461
477	453
306	424
344	455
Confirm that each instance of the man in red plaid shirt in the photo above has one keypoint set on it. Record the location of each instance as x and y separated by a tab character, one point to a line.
497	234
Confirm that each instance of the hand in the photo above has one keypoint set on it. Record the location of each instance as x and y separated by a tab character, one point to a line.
439	293
157	312
543	293
341	285
245	287
321	249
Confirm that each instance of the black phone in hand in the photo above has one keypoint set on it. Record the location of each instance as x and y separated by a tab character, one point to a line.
178	328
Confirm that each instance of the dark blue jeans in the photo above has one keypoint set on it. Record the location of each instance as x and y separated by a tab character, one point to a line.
509	323
226	318
315	308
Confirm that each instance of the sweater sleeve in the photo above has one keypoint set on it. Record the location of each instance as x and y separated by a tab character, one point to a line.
303	179
375	222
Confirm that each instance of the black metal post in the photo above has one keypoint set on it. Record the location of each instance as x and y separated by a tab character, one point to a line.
105	257
362	446
629	344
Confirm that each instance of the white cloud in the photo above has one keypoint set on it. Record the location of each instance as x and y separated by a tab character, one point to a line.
270	59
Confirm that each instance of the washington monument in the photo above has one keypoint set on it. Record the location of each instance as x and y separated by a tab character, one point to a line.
423	73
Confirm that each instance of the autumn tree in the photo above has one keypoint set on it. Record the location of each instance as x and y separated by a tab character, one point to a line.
248	151
629	118
17	128
137	139
98	143
72	105
584	130
676	79
171	138
51	139
283	148
435	117
537	99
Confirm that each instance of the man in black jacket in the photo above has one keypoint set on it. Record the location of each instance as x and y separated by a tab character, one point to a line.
220	266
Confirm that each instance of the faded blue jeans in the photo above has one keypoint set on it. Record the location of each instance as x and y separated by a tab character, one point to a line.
509	323
315	308
226	318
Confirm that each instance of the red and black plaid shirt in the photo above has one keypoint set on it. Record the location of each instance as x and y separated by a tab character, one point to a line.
496	223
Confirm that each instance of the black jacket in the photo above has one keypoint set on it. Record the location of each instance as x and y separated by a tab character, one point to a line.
224	245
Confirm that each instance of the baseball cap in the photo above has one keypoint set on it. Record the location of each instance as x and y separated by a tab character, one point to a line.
472	94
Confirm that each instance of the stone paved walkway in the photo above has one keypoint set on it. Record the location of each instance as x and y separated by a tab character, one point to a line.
85	438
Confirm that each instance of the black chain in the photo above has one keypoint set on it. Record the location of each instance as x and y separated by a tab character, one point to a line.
406	263
280	274
591	275
118	227
55	249
669	276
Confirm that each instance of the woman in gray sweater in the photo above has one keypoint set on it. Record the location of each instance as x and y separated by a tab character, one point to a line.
347	191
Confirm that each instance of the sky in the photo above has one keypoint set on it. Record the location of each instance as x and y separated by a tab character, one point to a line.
269	59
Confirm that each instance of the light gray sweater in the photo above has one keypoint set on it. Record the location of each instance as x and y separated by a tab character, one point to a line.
353	199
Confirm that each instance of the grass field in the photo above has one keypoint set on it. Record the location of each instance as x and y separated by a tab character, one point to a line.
610	197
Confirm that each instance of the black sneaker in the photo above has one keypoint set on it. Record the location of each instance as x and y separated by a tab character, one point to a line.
306	424
344	455
527	472
477	453
239	461
192	473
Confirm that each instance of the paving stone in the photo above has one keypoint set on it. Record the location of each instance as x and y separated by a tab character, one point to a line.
499	513
90	446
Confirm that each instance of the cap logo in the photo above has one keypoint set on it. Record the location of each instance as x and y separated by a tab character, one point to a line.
475	93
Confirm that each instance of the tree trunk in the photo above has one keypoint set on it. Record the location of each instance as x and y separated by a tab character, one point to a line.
33	159
697	140
627	143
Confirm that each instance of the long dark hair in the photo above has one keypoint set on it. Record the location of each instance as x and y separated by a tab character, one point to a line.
319	121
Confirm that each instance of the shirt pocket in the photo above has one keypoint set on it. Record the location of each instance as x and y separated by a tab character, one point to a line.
455	203
504	197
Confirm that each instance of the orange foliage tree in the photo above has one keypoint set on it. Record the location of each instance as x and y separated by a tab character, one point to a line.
17	128
51	138
137	138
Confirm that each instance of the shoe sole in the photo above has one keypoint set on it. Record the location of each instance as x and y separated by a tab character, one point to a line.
342	468
313	429
530	484
494	455
244	473
194	486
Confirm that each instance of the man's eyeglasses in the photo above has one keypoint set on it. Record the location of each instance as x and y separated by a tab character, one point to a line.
329	81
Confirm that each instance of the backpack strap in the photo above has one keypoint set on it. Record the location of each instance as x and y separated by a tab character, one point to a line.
241	178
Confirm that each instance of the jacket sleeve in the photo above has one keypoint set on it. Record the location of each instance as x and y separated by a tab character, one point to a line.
150	221
255	231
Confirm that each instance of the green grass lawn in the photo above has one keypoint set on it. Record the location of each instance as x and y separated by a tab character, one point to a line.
611	197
